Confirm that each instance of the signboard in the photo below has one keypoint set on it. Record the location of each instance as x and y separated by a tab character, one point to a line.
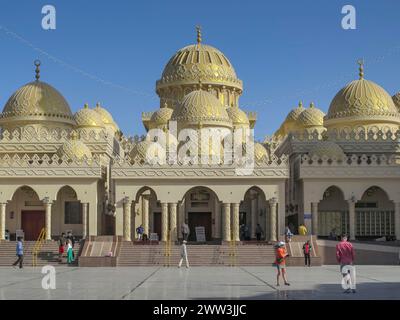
200	234
153	237
307	216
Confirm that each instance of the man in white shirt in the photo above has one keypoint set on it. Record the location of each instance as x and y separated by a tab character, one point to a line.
184	255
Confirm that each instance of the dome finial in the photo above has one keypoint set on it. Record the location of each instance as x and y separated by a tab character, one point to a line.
300	104
312	105
98	105
37	71
361	64
86	106
199	38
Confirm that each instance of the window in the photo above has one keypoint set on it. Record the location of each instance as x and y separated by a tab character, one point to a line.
366	205
73	213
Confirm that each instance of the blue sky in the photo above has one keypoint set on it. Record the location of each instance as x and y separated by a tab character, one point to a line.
284	51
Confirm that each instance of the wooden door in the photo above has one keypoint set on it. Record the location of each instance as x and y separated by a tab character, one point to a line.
157	224
32	222
200	219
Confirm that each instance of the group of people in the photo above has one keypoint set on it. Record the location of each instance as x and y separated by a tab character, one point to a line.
67	241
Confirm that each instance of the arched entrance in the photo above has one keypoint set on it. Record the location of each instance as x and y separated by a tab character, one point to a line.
25	212
200	208
146	211
374	214
333	215
67	213
253	211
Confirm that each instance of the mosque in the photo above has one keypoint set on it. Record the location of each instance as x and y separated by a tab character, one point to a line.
62	171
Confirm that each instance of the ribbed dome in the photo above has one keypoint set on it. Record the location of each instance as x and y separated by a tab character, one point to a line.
86	118
106	116
311	117
36	102
161	117
291	123
329	149
201	107
260	153
238	116
295	113
362	101
196	62
74	149
146	151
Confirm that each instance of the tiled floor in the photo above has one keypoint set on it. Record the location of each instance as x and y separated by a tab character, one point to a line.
373	282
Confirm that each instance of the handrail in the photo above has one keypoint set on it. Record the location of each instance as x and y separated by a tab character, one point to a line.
38	246
233	253
167	250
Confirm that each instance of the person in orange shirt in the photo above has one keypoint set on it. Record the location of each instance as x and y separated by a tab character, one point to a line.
280	262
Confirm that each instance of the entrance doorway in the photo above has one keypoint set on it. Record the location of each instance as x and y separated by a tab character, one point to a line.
200	219
32	222
157	224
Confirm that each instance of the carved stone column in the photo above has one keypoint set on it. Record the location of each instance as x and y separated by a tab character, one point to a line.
145	214
127	219
272	220
397	220
235	218
226	222
314	217
352	218
84	219
47	204
164	222
173	221
3	221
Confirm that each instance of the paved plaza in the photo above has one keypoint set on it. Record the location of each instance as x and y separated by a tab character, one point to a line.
373	282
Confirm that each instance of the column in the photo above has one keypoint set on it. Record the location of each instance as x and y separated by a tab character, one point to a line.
314	216
181	210
172	221
253	215
3	221
235	219
226	222
272	220
164	222
352	218
145	214
84	219
127	219
397	220
47	203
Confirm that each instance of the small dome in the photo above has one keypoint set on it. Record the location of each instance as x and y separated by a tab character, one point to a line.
260	153
295	113
201	107
311	117
161	117
396	100
37	102
328	149
362	102
88	118
74	149
292	123
147	151
238	116
106	117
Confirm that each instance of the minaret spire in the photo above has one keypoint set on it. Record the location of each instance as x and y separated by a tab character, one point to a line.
199	37
37	71
361	64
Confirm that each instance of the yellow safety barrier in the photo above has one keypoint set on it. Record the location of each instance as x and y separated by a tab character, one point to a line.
38	246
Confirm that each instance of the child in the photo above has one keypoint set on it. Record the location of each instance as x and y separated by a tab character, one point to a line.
280	262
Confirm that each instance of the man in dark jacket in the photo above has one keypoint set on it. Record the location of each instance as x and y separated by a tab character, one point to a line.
307	247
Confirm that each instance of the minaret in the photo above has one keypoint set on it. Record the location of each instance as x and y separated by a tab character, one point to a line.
37	70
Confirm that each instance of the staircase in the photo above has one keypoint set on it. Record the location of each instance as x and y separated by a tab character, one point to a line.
198	255
48	254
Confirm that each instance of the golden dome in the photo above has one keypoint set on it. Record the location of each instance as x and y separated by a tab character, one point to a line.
201	107
260	153
328	149
196	62
37	102
106	116
147	151
362	101
291	123
311	117
238	116
74	149
88	118
161	117
396	100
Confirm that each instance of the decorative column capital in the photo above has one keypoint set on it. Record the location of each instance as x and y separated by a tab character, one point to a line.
273	201
47	201
125	200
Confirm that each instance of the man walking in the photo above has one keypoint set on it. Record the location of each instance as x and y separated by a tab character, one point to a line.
20	253
184	255
345	257
259	232
307	247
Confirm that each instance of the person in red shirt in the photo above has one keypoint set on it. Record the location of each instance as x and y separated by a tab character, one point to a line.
307	247
280	262
345	257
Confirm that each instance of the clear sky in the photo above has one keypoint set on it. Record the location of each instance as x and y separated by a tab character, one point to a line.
284	51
